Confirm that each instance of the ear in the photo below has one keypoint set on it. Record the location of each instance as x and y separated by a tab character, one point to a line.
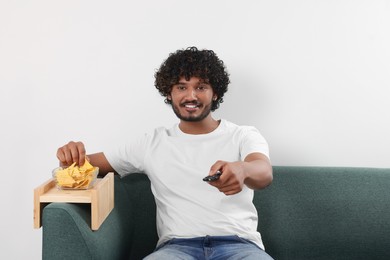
215	97
169	97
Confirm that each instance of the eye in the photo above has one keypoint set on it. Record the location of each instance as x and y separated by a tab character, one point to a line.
181	87
202	87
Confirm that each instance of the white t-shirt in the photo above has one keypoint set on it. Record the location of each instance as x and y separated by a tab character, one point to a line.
176	163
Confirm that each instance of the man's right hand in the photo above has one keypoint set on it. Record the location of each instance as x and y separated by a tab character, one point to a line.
70	153
75	152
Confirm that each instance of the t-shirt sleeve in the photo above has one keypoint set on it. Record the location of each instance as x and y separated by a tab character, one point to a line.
253	142
128	158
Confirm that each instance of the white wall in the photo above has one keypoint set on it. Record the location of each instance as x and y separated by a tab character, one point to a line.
313	76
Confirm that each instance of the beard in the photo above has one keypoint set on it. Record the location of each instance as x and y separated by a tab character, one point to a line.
192	118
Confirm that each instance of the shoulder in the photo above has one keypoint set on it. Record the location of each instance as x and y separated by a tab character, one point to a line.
161	131
249	139
157	134
242	129
244	134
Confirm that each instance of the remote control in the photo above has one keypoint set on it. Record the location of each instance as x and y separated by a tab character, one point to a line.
213	177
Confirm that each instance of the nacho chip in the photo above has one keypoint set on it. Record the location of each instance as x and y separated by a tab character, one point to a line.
75	177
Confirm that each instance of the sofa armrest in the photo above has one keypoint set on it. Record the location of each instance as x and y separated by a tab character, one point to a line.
67	232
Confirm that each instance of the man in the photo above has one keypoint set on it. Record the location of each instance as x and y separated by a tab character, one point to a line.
196	219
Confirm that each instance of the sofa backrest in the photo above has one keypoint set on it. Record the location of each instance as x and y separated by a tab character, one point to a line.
326	213
306	213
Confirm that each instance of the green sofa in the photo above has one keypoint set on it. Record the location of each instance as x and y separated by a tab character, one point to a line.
306	213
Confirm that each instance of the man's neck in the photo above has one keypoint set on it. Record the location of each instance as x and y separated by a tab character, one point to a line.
205	126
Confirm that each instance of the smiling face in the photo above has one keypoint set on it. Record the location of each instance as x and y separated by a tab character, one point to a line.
192	99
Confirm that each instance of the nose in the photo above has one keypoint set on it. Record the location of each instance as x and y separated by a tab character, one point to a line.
191	95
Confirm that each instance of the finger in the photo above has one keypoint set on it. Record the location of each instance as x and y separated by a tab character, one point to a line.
66	149
81	154
61	157
231	192
217	166
231	185
222	181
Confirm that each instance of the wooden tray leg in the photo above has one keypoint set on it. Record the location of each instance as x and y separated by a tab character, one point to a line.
38	206
102	200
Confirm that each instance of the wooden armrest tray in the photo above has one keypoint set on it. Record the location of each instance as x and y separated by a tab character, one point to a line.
100	196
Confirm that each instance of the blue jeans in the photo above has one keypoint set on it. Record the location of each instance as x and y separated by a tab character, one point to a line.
209	248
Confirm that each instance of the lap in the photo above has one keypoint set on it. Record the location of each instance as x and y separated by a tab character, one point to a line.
212	248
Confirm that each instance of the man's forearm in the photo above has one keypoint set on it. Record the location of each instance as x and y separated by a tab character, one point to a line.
258	171
100	160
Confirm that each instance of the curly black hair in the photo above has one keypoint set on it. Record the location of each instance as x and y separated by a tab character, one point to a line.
192	62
